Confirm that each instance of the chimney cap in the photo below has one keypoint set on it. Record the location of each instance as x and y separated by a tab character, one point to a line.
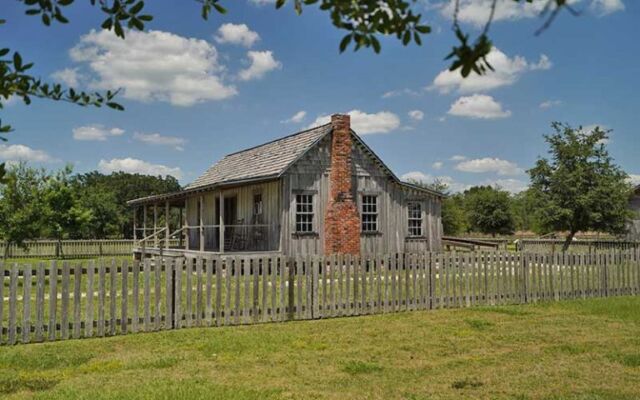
340	116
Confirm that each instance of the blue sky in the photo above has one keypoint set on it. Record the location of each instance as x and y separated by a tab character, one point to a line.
196	90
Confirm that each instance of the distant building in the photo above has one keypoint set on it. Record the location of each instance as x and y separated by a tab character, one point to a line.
634	224
316	192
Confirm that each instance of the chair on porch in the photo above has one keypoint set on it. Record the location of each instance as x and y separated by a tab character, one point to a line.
236	238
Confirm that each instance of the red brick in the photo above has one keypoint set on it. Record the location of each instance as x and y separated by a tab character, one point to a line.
341	221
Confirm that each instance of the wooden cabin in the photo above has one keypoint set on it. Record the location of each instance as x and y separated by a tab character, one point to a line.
318	191
634	224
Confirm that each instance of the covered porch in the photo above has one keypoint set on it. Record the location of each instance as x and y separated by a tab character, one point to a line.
241	219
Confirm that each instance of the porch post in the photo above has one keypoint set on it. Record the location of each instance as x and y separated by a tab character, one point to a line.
135	224
155	225
144	221
201	205
166	224
186	224
221	222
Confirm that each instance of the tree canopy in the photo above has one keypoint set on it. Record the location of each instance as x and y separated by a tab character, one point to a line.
36	204
579	188
489	211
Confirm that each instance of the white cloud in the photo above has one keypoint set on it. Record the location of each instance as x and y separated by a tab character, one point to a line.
262	2
606	7
95	132
506	72
550	103
19	152
476	12
158	139
458	157
154	65
261	63
478	106
544	63
488	164
400	92
68	76
296	118
135	166
364	124
237	34
416	115
634	179
437	165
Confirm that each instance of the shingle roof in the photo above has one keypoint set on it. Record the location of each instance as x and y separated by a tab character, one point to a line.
266	160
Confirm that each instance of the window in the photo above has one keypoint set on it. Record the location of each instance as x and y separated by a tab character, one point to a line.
257	204
415	219
304	213
369	213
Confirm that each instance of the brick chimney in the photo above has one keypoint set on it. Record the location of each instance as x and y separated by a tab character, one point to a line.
341	221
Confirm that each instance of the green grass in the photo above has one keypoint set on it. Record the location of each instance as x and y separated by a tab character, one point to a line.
575	350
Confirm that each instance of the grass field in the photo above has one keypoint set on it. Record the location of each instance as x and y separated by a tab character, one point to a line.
583	350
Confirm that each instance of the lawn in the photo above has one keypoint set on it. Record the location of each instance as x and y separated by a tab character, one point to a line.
585	350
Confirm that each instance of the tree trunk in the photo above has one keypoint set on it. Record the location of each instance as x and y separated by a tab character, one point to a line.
568	240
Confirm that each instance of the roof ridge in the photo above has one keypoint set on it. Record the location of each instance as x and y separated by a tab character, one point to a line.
277	140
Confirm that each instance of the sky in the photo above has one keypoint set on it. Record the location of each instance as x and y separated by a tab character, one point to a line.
195	90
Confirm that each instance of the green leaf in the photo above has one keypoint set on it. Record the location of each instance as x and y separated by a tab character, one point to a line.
137	8
115	106
219	8
376	44
345	42
17	61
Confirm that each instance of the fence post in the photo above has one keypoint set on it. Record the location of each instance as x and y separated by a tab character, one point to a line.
605	274
173	293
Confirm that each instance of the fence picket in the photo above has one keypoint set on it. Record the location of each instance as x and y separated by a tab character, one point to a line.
177	295
113	297
39	321
169	270
208	266
64	311
135	296
13	304
88	318
101	297
146	294
26	303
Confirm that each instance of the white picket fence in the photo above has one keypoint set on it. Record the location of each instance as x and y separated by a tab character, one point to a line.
99	298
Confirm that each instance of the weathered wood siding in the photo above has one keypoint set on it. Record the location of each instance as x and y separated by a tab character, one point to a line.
310	174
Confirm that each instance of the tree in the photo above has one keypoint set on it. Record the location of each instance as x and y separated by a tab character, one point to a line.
580	188
454	220
363	20
21	205
489	210
63	213
116	189
524	212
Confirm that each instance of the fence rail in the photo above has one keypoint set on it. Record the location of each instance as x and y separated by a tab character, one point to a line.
63	300
577	246
70	248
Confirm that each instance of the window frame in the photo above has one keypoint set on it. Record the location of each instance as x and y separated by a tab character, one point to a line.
310	223
375	221
411	229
